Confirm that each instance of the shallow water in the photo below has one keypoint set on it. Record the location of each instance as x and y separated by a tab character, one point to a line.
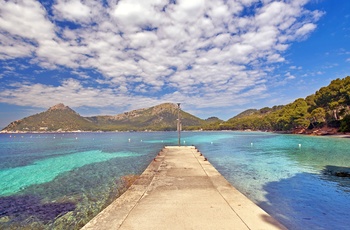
288	180
62	180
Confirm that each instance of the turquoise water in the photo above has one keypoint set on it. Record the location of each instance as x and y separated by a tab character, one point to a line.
14	179
62	180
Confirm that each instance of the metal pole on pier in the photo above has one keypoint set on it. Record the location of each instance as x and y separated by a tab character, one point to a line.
178	124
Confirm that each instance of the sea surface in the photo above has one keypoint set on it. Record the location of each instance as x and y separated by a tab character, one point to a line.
61	181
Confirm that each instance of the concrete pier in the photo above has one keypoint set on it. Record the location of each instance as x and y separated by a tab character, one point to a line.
180	189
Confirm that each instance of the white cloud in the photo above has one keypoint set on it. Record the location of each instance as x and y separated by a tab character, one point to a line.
275	58
289	76
295	67
199	51
73	10
13	48
27	19
72	93
130	15
305	30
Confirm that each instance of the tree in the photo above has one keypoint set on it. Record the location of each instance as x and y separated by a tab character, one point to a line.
345	124
317	116
335	98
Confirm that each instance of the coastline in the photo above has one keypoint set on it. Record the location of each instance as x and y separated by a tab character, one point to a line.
324	131
313	132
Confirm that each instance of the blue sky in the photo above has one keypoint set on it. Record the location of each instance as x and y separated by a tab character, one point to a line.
216	57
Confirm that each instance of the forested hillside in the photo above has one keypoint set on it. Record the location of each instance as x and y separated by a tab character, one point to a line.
328	107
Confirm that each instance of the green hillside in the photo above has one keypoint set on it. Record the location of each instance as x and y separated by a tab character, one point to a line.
328	107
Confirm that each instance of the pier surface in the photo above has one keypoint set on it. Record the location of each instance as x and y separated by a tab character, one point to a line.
180	189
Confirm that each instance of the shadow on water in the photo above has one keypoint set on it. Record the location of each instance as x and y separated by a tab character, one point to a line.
304	201
20	208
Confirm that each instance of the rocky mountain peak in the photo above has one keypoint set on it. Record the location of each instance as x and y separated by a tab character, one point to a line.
59	106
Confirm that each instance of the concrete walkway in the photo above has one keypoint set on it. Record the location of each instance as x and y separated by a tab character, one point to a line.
180	189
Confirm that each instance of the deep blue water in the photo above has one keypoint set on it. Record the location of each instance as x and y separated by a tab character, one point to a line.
62	180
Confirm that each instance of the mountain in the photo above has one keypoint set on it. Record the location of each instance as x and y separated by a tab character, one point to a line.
213	120
245	113
56	118
252	112
160	117
63	118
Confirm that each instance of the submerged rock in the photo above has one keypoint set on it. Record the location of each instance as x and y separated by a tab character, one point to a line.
4	219
337	171
342	174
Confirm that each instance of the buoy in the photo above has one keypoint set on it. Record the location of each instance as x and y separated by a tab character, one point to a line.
129	139
184	141
299	145
251	144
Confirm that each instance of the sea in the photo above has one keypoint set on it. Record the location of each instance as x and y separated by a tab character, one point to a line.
62	180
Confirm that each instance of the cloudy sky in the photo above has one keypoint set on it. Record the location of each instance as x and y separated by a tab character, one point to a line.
216	57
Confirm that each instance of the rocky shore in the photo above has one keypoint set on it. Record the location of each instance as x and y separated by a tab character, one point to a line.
325	131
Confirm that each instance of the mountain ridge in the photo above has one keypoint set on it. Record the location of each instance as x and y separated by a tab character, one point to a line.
326	109
62	118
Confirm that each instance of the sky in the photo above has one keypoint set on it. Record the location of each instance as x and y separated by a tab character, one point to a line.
215	57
